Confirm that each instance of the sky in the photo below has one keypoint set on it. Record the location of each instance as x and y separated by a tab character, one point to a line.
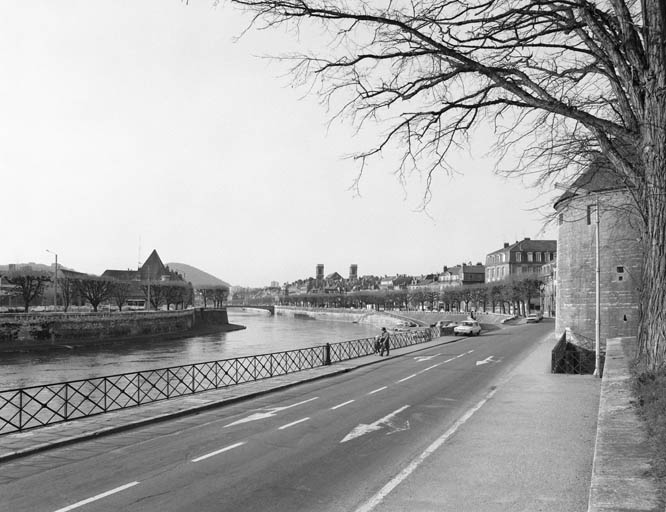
129	126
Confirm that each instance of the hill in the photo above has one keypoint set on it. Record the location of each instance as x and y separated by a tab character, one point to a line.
198	278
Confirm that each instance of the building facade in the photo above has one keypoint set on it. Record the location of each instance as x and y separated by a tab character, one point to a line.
521	259
461	275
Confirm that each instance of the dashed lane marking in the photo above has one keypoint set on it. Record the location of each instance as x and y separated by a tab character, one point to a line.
268	414
341	405
98	497
377	390
217	452
293	423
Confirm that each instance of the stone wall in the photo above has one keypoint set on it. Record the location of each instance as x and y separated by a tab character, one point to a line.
576	263
340	315
27	330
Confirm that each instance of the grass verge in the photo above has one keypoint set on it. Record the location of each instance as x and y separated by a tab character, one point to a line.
650	391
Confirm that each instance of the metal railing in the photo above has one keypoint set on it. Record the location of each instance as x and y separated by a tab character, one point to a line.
38	406
570	358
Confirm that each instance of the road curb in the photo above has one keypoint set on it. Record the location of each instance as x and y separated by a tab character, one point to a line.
621	477
196	409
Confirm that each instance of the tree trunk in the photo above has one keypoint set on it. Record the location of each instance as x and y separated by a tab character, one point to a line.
652	326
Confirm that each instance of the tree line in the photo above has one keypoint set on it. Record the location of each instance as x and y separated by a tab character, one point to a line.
74	289
512	296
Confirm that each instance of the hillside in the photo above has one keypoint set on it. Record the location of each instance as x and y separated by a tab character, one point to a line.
198	278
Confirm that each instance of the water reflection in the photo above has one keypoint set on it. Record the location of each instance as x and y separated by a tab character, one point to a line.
264	334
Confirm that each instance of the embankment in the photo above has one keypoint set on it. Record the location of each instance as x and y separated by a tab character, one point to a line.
358	316
44	330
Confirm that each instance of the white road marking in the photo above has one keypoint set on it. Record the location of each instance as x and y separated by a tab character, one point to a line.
411	467
377	390
425	358
341	405
487	360
433	366
271	412
293	423
217	452
98	497
387	420
407	378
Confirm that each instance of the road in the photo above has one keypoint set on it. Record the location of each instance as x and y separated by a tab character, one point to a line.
331	444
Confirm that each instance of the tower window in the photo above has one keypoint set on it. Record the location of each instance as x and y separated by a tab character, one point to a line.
620	273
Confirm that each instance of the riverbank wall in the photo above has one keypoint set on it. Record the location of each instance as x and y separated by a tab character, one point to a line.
386	318
357	316
34	330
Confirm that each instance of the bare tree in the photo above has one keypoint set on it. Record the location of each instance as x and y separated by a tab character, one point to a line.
177	292
95	289
67	291
560	80
120	293
155	294
30	285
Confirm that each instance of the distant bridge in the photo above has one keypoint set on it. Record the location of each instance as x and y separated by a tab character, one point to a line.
269	308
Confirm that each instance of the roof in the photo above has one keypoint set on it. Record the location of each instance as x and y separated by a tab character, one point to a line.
529	245
122	275
598	177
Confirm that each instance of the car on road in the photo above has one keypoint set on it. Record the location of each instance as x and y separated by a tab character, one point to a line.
534	318
468	328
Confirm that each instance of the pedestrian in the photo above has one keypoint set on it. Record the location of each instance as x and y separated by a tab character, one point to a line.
384	340
378	343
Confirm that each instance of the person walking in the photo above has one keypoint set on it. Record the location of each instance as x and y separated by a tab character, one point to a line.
384	341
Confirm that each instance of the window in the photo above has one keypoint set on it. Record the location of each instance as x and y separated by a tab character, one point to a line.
538	256
620	273
530	256
519	256
590	211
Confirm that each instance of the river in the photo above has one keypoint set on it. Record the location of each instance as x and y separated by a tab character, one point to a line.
264	333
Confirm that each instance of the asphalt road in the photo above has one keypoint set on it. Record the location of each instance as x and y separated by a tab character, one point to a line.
327	445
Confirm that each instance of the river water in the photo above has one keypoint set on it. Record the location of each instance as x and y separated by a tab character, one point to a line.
264	334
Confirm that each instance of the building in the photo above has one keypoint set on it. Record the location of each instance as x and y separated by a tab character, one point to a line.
462	275
548	290
353	272
319	271
520	259
620	258
153	270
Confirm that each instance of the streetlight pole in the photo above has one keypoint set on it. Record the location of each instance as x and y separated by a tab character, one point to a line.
55	281
597	316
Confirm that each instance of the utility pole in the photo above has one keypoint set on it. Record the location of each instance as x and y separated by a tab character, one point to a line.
597	316
55	281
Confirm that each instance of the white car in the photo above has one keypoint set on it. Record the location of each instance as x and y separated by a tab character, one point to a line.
468	328
534	318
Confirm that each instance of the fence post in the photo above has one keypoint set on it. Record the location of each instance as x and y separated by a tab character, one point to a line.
327	354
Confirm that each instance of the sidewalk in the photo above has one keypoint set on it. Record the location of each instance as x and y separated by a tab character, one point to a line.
530	447
527	446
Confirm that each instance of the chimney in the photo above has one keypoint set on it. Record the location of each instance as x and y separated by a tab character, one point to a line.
506	245
527	238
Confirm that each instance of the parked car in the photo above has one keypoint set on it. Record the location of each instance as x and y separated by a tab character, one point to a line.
534	318
468	328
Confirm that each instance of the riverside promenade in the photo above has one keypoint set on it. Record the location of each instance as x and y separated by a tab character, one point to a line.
534	444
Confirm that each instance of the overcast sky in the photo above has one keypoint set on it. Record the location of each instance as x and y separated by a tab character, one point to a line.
128	126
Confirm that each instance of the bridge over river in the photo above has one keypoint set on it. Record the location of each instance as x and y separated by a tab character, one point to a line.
269	308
